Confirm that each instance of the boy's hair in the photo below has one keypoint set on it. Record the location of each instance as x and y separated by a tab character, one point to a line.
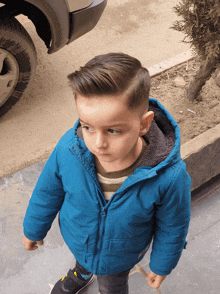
113	74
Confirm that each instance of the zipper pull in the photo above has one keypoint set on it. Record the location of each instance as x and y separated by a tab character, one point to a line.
103	211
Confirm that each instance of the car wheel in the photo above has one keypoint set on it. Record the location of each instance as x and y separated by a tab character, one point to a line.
18	61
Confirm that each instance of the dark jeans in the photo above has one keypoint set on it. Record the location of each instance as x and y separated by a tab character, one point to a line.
110	284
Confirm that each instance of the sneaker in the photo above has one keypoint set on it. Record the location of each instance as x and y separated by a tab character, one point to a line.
72	283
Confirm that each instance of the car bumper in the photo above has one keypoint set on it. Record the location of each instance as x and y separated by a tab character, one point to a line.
83	21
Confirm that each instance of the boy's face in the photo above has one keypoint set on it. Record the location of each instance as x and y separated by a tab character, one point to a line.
110	130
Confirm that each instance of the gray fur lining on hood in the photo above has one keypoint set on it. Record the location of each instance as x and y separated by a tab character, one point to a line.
160	139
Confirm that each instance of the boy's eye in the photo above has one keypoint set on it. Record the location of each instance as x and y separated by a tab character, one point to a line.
87	128
114	131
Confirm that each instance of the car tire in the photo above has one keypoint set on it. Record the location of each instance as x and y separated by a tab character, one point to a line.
18	62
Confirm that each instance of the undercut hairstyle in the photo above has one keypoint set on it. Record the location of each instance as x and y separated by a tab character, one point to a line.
113	74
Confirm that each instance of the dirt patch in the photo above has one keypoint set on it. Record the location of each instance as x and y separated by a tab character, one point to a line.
193	117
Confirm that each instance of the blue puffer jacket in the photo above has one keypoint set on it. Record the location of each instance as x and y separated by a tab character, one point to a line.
153	203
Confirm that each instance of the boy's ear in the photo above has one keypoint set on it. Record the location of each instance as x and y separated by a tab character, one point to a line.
146	122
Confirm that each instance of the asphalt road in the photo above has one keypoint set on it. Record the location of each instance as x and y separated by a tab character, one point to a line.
31	129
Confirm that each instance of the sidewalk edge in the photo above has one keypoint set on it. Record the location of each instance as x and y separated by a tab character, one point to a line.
202	156
169	63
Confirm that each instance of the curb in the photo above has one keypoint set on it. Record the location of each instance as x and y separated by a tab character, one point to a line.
169	63
202	153
202	156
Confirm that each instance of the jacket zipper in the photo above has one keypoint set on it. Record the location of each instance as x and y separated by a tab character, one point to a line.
102	227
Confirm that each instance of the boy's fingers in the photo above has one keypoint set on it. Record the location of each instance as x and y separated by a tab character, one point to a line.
156	284
154	280
30	246
33	245
40	243
151	282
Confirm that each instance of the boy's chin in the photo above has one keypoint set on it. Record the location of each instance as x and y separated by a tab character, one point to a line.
104	157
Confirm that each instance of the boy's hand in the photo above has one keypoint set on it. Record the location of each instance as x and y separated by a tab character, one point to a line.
155	280
31	245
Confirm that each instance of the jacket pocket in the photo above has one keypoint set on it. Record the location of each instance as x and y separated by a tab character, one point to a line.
136	246
125	253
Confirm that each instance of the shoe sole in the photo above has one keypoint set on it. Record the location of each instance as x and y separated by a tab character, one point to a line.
90	282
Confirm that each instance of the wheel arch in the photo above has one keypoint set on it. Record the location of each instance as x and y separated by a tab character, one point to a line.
53	15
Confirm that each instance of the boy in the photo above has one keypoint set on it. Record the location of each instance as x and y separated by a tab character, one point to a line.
116	179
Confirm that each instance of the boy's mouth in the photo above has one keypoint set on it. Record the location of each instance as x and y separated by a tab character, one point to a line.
98	154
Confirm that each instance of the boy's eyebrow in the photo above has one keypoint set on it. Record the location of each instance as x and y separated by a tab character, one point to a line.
110	126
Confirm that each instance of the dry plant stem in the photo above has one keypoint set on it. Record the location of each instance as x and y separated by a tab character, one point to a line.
199	80
144	274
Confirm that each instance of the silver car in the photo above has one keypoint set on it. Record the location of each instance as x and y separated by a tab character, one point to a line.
57	22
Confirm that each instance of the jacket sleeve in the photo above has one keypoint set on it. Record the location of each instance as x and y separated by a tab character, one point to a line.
172	216
45	202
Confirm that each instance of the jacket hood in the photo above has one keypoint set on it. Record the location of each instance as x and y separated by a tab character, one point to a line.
163	138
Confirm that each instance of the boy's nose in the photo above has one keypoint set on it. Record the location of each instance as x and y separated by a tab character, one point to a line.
100	142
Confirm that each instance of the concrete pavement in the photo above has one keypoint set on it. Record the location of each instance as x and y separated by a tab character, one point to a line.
35	272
